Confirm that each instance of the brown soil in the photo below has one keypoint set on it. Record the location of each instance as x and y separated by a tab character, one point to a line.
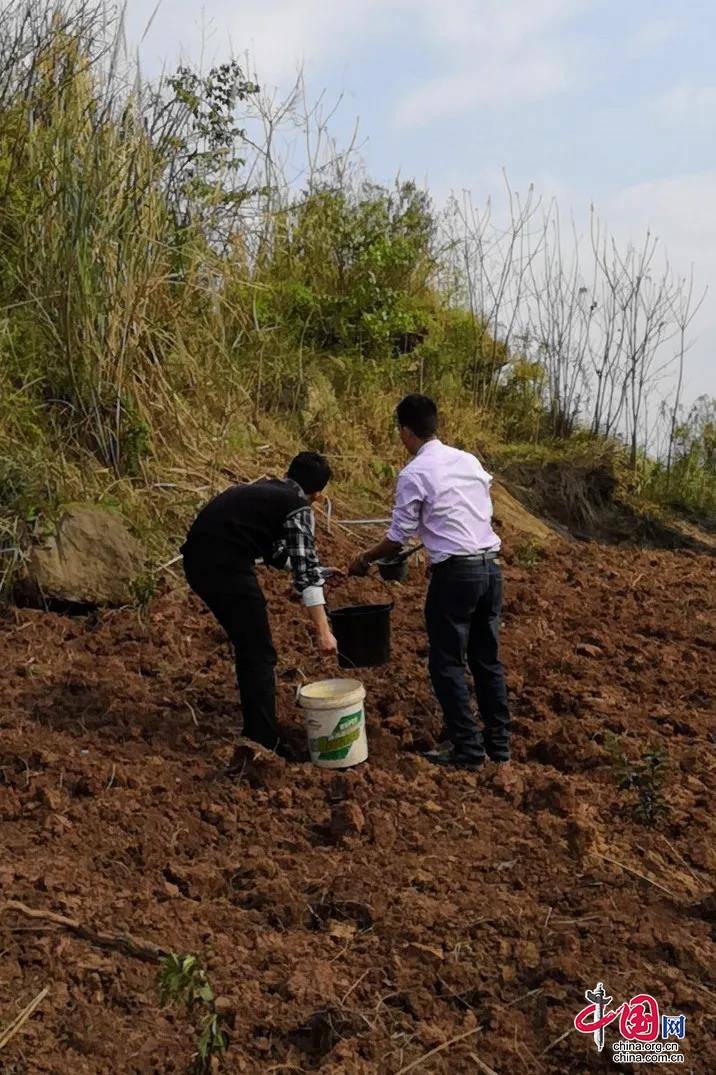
398	916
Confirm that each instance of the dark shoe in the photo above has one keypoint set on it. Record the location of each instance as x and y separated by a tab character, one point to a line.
455	760
499	752
287	751
440	749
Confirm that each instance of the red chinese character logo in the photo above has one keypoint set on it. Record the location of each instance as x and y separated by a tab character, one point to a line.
589	1022
639	1018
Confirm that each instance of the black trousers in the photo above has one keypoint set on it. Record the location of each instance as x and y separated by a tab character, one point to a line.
462	613
240	608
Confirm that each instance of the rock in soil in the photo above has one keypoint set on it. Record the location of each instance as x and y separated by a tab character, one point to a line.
91	559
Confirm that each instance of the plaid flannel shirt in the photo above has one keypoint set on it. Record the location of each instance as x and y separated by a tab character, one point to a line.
299	545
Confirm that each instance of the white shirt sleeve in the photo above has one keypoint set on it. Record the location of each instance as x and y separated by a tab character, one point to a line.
409	498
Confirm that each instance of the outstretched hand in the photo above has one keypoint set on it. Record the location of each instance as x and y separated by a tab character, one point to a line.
358	566
333	573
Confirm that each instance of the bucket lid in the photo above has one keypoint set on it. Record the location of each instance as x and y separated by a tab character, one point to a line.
330	693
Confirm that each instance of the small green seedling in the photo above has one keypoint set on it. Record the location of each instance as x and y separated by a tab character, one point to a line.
144	589
529	553
212	1042
645	777
182	980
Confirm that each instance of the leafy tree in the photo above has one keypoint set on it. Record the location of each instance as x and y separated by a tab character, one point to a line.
352	269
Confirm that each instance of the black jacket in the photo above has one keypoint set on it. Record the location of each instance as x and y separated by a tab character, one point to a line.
241	525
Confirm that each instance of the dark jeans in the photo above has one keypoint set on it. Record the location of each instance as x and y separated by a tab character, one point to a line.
462	613
241	611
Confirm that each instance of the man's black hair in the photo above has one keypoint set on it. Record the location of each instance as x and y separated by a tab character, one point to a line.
310	470
419	414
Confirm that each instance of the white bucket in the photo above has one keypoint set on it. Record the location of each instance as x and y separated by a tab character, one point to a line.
335	722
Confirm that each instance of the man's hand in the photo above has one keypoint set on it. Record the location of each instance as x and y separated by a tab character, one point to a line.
385	548
333	573
359	565
326	642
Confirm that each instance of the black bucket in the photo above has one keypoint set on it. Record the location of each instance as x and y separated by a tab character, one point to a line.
363	635
395	570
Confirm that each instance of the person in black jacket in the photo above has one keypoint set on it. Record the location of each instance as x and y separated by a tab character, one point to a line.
269	520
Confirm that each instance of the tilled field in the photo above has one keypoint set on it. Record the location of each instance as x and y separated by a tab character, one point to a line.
429	921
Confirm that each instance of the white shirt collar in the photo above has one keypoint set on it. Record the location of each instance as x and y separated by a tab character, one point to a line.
428	444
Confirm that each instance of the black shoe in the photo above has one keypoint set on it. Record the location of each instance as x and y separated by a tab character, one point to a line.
499	754
287	751
454	759
440	749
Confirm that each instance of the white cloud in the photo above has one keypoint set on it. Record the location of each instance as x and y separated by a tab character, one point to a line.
678	208
687	104
283	34
279	35
501	52
652	36
497	23
496	82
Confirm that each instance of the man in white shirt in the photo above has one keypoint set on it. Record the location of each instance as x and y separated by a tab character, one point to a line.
443	497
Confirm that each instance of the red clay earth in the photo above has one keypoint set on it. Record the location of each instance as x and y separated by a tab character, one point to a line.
431	921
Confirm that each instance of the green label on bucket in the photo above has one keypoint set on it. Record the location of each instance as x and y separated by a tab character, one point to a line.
335	747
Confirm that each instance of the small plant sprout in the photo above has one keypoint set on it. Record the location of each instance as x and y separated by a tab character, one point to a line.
183	981
144	589
644	777
529	553
212	1042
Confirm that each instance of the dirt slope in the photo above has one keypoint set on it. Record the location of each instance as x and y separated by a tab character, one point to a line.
511	515
465	901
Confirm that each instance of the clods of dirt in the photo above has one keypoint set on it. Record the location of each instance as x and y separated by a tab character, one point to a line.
402	917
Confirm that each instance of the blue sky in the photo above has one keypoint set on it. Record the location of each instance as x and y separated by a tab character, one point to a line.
593	101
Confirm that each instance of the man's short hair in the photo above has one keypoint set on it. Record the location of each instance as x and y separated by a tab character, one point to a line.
419	414
310	470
